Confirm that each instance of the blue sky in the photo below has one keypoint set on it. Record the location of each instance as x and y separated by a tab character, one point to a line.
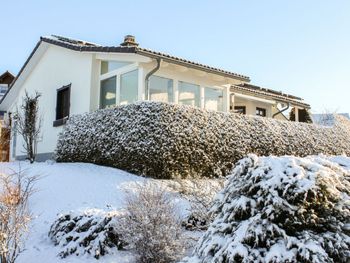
298	47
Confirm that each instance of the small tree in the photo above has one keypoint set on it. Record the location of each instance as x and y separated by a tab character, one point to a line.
152	226
29	124
15	191
304	115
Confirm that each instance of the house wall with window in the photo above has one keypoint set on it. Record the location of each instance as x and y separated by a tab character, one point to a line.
122	83
58	67
72	81
251	106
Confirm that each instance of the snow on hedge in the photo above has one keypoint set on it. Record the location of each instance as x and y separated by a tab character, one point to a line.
281	209
166	141
94	232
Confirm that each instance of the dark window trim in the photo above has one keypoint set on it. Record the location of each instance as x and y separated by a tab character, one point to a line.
241	108
262	110
62	121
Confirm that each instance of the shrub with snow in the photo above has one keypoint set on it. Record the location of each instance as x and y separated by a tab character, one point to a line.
200	194
151	225
94	233
281	209
167	141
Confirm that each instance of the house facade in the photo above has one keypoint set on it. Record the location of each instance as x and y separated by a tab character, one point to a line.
75	77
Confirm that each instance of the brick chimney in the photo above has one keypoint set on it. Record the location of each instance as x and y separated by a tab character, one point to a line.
129	41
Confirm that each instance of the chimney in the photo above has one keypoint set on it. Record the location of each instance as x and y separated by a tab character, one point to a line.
129	41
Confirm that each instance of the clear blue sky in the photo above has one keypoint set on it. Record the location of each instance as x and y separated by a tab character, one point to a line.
300	47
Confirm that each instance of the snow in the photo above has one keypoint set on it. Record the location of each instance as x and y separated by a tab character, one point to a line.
79	188
65	187
278	209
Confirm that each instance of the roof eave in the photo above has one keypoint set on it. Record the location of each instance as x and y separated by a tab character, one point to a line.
277	98
192	65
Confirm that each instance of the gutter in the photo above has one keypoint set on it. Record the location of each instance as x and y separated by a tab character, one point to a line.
149	74
280	111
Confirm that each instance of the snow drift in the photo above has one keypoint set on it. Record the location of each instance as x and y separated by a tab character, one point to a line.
281	209
166	141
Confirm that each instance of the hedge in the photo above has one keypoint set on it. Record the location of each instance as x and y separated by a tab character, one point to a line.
164	140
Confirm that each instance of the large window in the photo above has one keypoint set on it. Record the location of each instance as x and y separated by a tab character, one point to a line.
161	89
108	92
107	66
128	87
213	99
62	105
189	94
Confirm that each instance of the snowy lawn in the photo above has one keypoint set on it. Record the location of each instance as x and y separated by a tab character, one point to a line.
65	187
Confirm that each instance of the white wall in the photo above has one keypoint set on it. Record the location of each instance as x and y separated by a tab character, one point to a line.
251	106
57	67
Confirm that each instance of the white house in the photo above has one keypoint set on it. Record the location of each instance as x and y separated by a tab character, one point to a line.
75	76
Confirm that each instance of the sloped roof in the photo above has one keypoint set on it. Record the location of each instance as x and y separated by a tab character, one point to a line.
6	78
269	93
84	46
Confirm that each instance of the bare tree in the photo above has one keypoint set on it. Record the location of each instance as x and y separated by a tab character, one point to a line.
29	124
327	117
15	191
200	195
152	226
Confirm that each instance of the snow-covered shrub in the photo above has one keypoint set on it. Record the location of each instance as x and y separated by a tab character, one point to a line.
167	141
151	225
281	209
199	193
93	232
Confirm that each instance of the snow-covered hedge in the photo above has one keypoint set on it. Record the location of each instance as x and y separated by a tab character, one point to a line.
165	140
281	209
94	232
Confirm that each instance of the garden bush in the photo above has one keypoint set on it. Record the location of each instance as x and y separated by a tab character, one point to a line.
93	233
164	140
281	209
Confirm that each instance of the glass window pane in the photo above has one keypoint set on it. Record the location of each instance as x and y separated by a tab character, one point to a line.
189	94
129	87
213	99
108	92
107	66
161	89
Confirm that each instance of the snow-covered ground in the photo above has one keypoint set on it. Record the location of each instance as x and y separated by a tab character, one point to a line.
65	187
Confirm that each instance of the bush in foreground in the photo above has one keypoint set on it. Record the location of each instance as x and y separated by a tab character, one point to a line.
163	140
151	225
94	233
281	209
16	190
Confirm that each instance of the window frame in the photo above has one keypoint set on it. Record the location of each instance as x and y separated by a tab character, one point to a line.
115	73
100	91
61	121
244	108
199	93
259	109
172	100
120	88
216	89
